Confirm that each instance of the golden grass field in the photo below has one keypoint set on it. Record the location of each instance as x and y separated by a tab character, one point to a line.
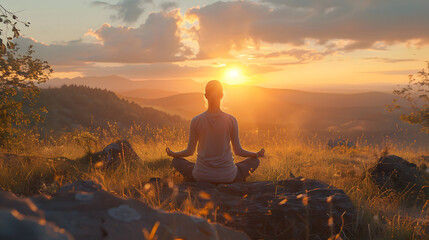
381	215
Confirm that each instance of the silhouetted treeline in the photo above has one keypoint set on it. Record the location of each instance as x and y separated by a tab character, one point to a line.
73	106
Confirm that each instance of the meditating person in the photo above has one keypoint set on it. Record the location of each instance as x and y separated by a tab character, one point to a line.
214	130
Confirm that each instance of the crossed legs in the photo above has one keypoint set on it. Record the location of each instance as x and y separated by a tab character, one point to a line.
244	168
185	168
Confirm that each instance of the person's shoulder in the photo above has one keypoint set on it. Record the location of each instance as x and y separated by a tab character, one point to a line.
230	117
198	117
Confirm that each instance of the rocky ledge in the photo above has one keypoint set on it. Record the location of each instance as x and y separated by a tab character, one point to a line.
97	214
296	208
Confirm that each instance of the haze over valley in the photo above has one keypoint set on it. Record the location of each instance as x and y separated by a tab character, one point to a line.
347	114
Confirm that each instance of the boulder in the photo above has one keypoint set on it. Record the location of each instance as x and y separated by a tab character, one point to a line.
97	214
118	152
393	172
332	143
295	208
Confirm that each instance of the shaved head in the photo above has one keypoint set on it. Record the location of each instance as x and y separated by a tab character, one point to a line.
214	91
214	86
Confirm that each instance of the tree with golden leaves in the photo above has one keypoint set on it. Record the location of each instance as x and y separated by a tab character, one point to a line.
416	93
19	76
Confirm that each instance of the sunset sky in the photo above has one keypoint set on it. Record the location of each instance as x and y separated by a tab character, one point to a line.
274	43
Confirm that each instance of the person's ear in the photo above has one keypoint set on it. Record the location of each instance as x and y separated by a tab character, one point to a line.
221	95
205	95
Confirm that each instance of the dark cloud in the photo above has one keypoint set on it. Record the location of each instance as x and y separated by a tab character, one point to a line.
364	23
70	53
128	11
157	40
168	5
319	6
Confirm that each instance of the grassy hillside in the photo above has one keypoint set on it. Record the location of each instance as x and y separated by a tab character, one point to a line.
381	214
45	164
77	106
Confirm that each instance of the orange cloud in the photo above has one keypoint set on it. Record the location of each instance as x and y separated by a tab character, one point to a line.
165	70
226	26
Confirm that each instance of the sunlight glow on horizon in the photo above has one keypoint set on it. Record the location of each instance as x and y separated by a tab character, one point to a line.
219	40
234	76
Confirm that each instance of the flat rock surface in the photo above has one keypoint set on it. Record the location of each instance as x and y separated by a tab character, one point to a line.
97	214
295	208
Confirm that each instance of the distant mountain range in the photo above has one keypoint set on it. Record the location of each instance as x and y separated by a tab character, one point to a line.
257	106
166	87
291	108
120	84
186	105
148	93
349	88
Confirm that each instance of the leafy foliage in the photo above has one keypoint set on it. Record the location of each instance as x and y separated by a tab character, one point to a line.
19	75
10	22
416	93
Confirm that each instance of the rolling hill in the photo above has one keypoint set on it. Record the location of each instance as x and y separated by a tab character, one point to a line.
72	107
307	111
186	105
148	93
317	112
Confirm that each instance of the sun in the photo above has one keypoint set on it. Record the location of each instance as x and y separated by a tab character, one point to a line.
234	75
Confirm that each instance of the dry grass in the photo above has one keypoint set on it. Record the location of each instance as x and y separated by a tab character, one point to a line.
382	215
